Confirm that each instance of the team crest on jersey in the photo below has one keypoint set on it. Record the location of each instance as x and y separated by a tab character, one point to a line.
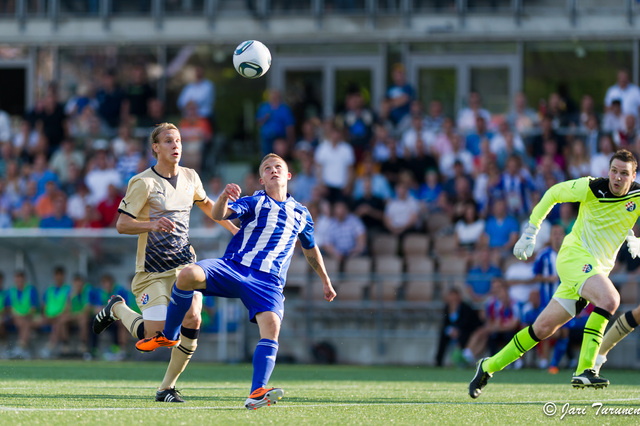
144	299
630	206
587	268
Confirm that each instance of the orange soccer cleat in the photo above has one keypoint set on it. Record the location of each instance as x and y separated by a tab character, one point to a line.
155	342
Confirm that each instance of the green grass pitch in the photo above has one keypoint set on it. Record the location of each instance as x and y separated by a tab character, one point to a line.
78	393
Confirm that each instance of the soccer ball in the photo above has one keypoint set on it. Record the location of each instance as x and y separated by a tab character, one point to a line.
251	59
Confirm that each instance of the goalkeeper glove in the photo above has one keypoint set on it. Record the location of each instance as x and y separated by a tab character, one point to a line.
524	247
633	244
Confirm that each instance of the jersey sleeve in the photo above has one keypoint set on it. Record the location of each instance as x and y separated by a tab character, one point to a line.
135	198
199	194
241	208
570	191
307	240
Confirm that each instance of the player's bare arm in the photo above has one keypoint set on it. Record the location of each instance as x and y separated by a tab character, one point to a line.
206	206
130	226
220	211
314	257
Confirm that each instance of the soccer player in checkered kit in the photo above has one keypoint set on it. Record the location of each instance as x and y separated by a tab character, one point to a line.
157	208
608	211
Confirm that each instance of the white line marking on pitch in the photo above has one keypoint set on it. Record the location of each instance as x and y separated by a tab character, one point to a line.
5	408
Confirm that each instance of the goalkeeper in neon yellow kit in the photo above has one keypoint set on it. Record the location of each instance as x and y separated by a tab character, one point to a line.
608	210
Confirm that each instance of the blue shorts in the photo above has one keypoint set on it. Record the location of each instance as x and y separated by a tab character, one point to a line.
259	291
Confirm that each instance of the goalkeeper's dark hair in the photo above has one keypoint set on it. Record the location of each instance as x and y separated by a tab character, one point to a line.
626	156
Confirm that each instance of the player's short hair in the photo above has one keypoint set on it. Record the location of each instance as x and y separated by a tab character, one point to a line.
268	157
626	156
155	134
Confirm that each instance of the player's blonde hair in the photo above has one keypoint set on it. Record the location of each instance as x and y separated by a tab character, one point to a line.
268	157
155	134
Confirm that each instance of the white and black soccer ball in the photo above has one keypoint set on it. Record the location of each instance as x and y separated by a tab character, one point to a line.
251	59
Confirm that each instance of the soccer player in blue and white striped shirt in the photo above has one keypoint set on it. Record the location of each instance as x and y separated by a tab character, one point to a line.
252	269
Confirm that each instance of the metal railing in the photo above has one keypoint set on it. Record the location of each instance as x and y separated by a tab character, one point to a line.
265	10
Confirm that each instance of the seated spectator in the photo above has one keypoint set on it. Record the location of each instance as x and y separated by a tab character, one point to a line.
476	136
44	204
41	173
547	174
302	184
128	163
429	191
346	237
401	214
380	187
567	216
62	158
467	115
23	303
501	322
101	173
434	119
416	109
591	134
370	208
600	161
505	142
519	277
442	140
59	218
469	229
517	186
522	118
458	153
77	202
108	208
501	230
358	121
308	142
420	161
196	132
547	131
550	149
379	144
56	304
394	165
613	120
480	275
579	163
320	212
459	321
26	216
413	134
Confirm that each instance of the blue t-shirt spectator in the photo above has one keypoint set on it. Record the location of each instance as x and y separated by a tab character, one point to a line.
273	118
500	230
479	279
56	222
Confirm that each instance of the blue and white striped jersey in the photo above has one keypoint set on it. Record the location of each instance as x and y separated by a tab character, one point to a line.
545	265
268	232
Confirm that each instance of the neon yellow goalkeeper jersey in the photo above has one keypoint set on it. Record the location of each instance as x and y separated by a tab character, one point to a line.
603	220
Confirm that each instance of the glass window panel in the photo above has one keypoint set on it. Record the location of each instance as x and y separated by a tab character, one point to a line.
438	84
560	67
348	80
493	86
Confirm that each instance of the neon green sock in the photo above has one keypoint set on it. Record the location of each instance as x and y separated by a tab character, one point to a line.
521	343
592	338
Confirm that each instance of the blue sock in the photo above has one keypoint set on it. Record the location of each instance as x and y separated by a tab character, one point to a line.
559	350
264	359
177	309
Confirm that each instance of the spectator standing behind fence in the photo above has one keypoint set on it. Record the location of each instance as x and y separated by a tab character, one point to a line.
275	120
626	91
202	92
400	93
459	321
23	304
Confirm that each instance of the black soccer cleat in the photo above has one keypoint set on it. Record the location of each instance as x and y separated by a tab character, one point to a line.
479	381
589	379
105	317
169	395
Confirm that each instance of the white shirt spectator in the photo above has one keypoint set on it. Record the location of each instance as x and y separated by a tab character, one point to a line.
629	98
467	119
600	165
410	136
447	160
469	233
98	181
202	93
400	212
520	271
498	143
335	162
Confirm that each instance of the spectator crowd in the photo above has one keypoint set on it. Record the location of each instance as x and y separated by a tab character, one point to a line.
396	168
